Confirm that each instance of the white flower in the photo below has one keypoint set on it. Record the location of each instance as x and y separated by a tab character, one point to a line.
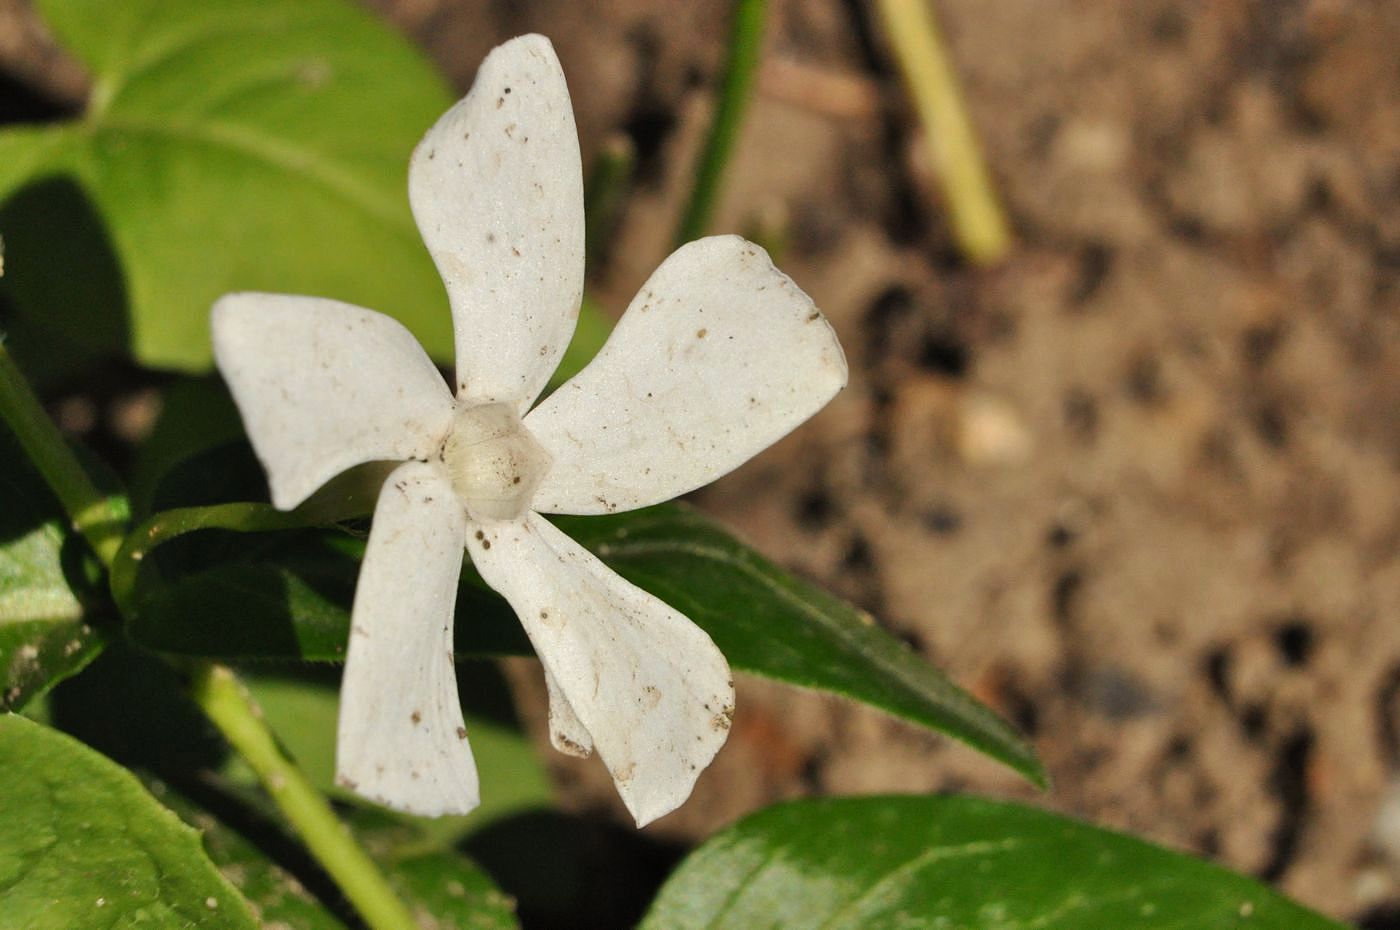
719	356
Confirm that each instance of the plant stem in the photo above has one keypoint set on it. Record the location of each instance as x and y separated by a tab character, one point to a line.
214	688
745	43
227	703
976	217
96	516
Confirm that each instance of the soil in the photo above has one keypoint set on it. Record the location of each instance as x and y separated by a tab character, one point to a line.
1136	486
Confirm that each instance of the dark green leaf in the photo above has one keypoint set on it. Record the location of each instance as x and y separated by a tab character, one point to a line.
227	145
44	633
456	894
448	889
284	595
452	892
769	623
83	845
953	864
287	596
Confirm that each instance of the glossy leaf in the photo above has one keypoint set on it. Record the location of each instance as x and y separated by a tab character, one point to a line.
287	596
83	845
953	863
770	623
227	145
44	631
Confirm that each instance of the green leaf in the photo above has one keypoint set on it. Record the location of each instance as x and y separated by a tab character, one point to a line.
44	633
111	705
953	863
284	595
770	623
439	884
83	845
454	893
288	595
228	145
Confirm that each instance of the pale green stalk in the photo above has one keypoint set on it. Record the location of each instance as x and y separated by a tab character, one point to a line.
225	701
100	519
974	213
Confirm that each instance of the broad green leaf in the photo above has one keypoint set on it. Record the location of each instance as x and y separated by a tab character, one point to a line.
287	595
111	706
227	145
44	631
83	845
951	863
770	623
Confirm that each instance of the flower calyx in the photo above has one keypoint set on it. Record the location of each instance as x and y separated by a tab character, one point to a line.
493	462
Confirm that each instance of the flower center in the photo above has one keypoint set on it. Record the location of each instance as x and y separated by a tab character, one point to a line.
493	461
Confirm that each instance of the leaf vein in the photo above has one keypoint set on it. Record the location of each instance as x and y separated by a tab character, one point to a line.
914	864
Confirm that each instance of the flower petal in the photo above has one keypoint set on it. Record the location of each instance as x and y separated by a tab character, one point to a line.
566	733
717	358
648	685
324	385
401	739
497	190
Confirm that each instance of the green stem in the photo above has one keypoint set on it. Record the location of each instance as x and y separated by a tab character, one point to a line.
745	43
95	515
976	217
227	703
214	688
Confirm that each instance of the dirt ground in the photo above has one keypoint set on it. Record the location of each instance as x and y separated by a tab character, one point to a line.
1136	486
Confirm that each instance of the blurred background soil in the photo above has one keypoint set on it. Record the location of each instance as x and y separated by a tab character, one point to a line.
1136	487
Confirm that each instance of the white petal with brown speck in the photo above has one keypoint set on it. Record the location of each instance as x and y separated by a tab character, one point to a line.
719	357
